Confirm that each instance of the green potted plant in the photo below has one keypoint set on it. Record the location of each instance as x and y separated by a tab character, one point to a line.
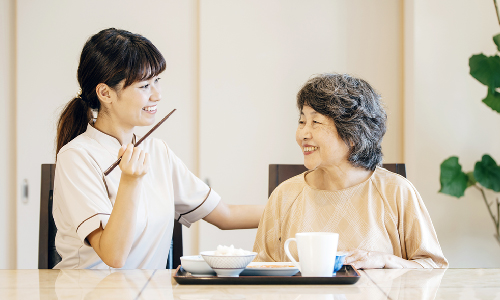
486	173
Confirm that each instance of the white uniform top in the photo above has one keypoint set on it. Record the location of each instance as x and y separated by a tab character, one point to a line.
84	199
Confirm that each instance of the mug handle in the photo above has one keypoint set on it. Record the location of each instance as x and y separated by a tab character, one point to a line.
295	263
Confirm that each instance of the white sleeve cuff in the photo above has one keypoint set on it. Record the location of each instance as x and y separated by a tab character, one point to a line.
201	211
91	224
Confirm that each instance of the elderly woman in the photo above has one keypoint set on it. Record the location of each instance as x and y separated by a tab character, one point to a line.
380	216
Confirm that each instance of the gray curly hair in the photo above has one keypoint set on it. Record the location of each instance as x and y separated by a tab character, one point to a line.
356	110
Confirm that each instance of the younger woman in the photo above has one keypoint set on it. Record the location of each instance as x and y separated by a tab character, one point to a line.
125	219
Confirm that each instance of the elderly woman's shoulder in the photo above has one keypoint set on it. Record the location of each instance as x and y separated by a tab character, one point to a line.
291	186
388	180
297	180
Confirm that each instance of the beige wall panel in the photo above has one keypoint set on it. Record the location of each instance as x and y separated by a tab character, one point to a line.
51	35
254	57
374	43
445	117
7	131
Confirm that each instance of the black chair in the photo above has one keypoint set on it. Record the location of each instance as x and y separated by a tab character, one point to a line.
280	173
174	257
47	254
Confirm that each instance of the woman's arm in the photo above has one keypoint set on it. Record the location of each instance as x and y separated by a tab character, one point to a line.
113	243
416	233
361	259
226	216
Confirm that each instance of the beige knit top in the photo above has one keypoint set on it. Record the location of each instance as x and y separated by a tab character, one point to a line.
385	213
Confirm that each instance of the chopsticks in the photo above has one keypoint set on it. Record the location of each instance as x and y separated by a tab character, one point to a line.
117	162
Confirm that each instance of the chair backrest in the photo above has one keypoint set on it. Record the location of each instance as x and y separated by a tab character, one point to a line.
47	253
174	257
280	173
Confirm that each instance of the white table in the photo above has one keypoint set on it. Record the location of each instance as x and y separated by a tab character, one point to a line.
159	284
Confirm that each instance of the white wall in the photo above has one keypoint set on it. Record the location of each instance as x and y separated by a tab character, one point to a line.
8	132
445	116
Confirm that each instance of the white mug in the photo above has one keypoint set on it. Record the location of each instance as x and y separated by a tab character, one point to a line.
317	251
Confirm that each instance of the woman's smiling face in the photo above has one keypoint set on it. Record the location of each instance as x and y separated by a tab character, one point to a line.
319	141
135	105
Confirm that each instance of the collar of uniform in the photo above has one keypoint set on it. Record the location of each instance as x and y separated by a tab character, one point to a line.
109	142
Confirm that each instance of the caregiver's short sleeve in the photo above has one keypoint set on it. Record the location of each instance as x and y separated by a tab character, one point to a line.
79	181
193	199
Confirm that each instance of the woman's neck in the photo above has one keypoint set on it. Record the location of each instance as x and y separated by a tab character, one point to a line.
338	177
121	133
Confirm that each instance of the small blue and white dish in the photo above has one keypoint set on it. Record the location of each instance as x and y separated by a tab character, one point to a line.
339	261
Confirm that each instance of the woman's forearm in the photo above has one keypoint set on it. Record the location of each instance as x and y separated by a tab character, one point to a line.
226	216
362	259
113	243
245	216
396	262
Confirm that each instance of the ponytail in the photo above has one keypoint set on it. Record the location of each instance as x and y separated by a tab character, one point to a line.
73	121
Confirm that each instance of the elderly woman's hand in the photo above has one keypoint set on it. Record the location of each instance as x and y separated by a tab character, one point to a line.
361	259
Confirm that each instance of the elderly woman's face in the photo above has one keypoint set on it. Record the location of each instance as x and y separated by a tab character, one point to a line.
318	138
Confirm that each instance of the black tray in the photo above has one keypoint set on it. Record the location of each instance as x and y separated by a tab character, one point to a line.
347	275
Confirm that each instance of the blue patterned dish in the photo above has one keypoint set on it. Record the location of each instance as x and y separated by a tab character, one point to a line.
339	261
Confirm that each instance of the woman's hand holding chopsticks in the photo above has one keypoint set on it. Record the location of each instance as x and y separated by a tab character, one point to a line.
134	161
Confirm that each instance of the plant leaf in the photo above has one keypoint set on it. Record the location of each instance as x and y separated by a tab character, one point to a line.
486	69
487	173
453	180
492	99
471	180
496	39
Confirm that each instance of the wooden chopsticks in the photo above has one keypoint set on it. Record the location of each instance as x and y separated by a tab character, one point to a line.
117	162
